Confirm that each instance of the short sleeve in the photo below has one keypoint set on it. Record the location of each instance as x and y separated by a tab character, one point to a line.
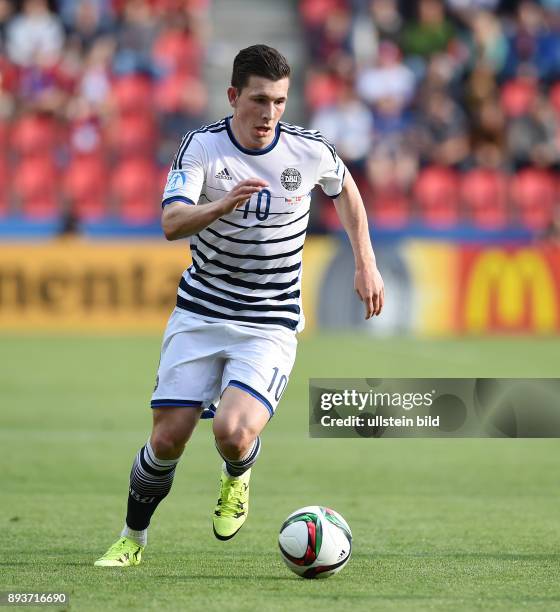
331	171
187	175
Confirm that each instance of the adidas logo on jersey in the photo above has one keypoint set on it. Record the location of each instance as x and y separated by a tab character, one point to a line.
224	174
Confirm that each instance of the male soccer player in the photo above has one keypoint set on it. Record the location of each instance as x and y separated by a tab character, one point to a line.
240	189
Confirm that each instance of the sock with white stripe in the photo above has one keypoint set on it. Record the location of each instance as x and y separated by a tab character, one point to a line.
150	481
237	467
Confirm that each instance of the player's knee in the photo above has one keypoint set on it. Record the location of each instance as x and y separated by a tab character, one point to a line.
167	445
234	440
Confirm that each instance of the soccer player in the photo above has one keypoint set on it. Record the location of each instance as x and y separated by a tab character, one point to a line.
240	189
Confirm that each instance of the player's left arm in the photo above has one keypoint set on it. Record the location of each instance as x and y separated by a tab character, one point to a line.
367	279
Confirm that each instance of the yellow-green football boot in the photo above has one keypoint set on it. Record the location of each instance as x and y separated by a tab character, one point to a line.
233	505
123	553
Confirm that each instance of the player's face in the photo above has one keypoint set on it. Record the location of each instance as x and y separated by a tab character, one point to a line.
258	108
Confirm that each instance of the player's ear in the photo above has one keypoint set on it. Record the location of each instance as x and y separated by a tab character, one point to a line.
232	95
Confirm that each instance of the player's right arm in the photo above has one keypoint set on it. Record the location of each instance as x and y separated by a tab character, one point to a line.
179	219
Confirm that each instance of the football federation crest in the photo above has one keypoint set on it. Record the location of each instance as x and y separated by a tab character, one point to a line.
290	179
176	180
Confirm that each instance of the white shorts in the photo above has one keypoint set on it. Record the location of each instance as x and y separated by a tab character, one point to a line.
199	359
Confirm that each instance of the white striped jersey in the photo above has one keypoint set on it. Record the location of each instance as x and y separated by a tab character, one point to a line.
247	265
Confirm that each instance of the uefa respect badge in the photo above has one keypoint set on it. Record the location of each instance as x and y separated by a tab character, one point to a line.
434	407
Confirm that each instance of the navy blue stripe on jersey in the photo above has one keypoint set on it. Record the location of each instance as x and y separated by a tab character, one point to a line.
292	295
253	392
342	183
176	199
252	151
216	127
208	312
259	271
289	127
160	403
241	241
309	134
237	282
218	301
248	256
262	225
187	138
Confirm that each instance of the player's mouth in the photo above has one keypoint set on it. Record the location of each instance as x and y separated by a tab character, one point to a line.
263	130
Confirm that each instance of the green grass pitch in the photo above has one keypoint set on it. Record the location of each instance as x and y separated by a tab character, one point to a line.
438	524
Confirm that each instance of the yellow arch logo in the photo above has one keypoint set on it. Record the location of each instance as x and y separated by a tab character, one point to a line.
504	280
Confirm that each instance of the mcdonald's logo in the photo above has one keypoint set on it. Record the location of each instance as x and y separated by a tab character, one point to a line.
508	290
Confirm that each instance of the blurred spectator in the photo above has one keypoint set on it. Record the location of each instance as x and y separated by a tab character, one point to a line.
389	78
336	35
95	83
443	130
69	9
430	33
135	37
481	85
348	124
387	19
488	134
490	43
6	10
532	42
532	137
88	25
35	34
314	14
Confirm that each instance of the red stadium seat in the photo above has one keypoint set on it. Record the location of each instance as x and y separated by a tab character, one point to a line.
34	134
321	90
132	93
484	193
437	194
181	93
555	97
85	185
35	186
4	186
389	207
178	51
517	96
534	194
315	12
134	134
4	137
135	185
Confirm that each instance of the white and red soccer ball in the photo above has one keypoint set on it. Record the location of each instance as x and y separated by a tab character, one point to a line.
315	542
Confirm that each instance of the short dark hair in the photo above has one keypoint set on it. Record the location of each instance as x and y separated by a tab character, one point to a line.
258	60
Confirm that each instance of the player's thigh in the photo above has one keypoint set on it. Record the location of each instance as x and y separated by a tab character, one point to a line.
191	365
240	418
260	364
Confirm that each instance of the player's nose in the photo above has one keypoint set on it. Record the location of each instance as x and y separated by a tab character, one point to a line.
268	112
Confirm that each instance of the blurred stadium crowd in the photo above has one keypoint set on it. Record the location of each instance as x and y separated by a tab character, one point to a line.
94	96
446	112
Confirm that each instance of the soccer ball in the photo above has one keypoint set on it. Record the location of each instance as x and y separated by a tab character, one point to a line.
315	542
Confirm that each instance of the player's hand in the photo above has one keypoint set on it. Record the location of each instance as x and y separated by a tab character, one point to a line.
370	289
242	192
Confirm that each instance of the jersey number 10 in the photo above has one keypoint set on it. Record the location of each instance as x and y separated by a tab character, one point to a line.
263	206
